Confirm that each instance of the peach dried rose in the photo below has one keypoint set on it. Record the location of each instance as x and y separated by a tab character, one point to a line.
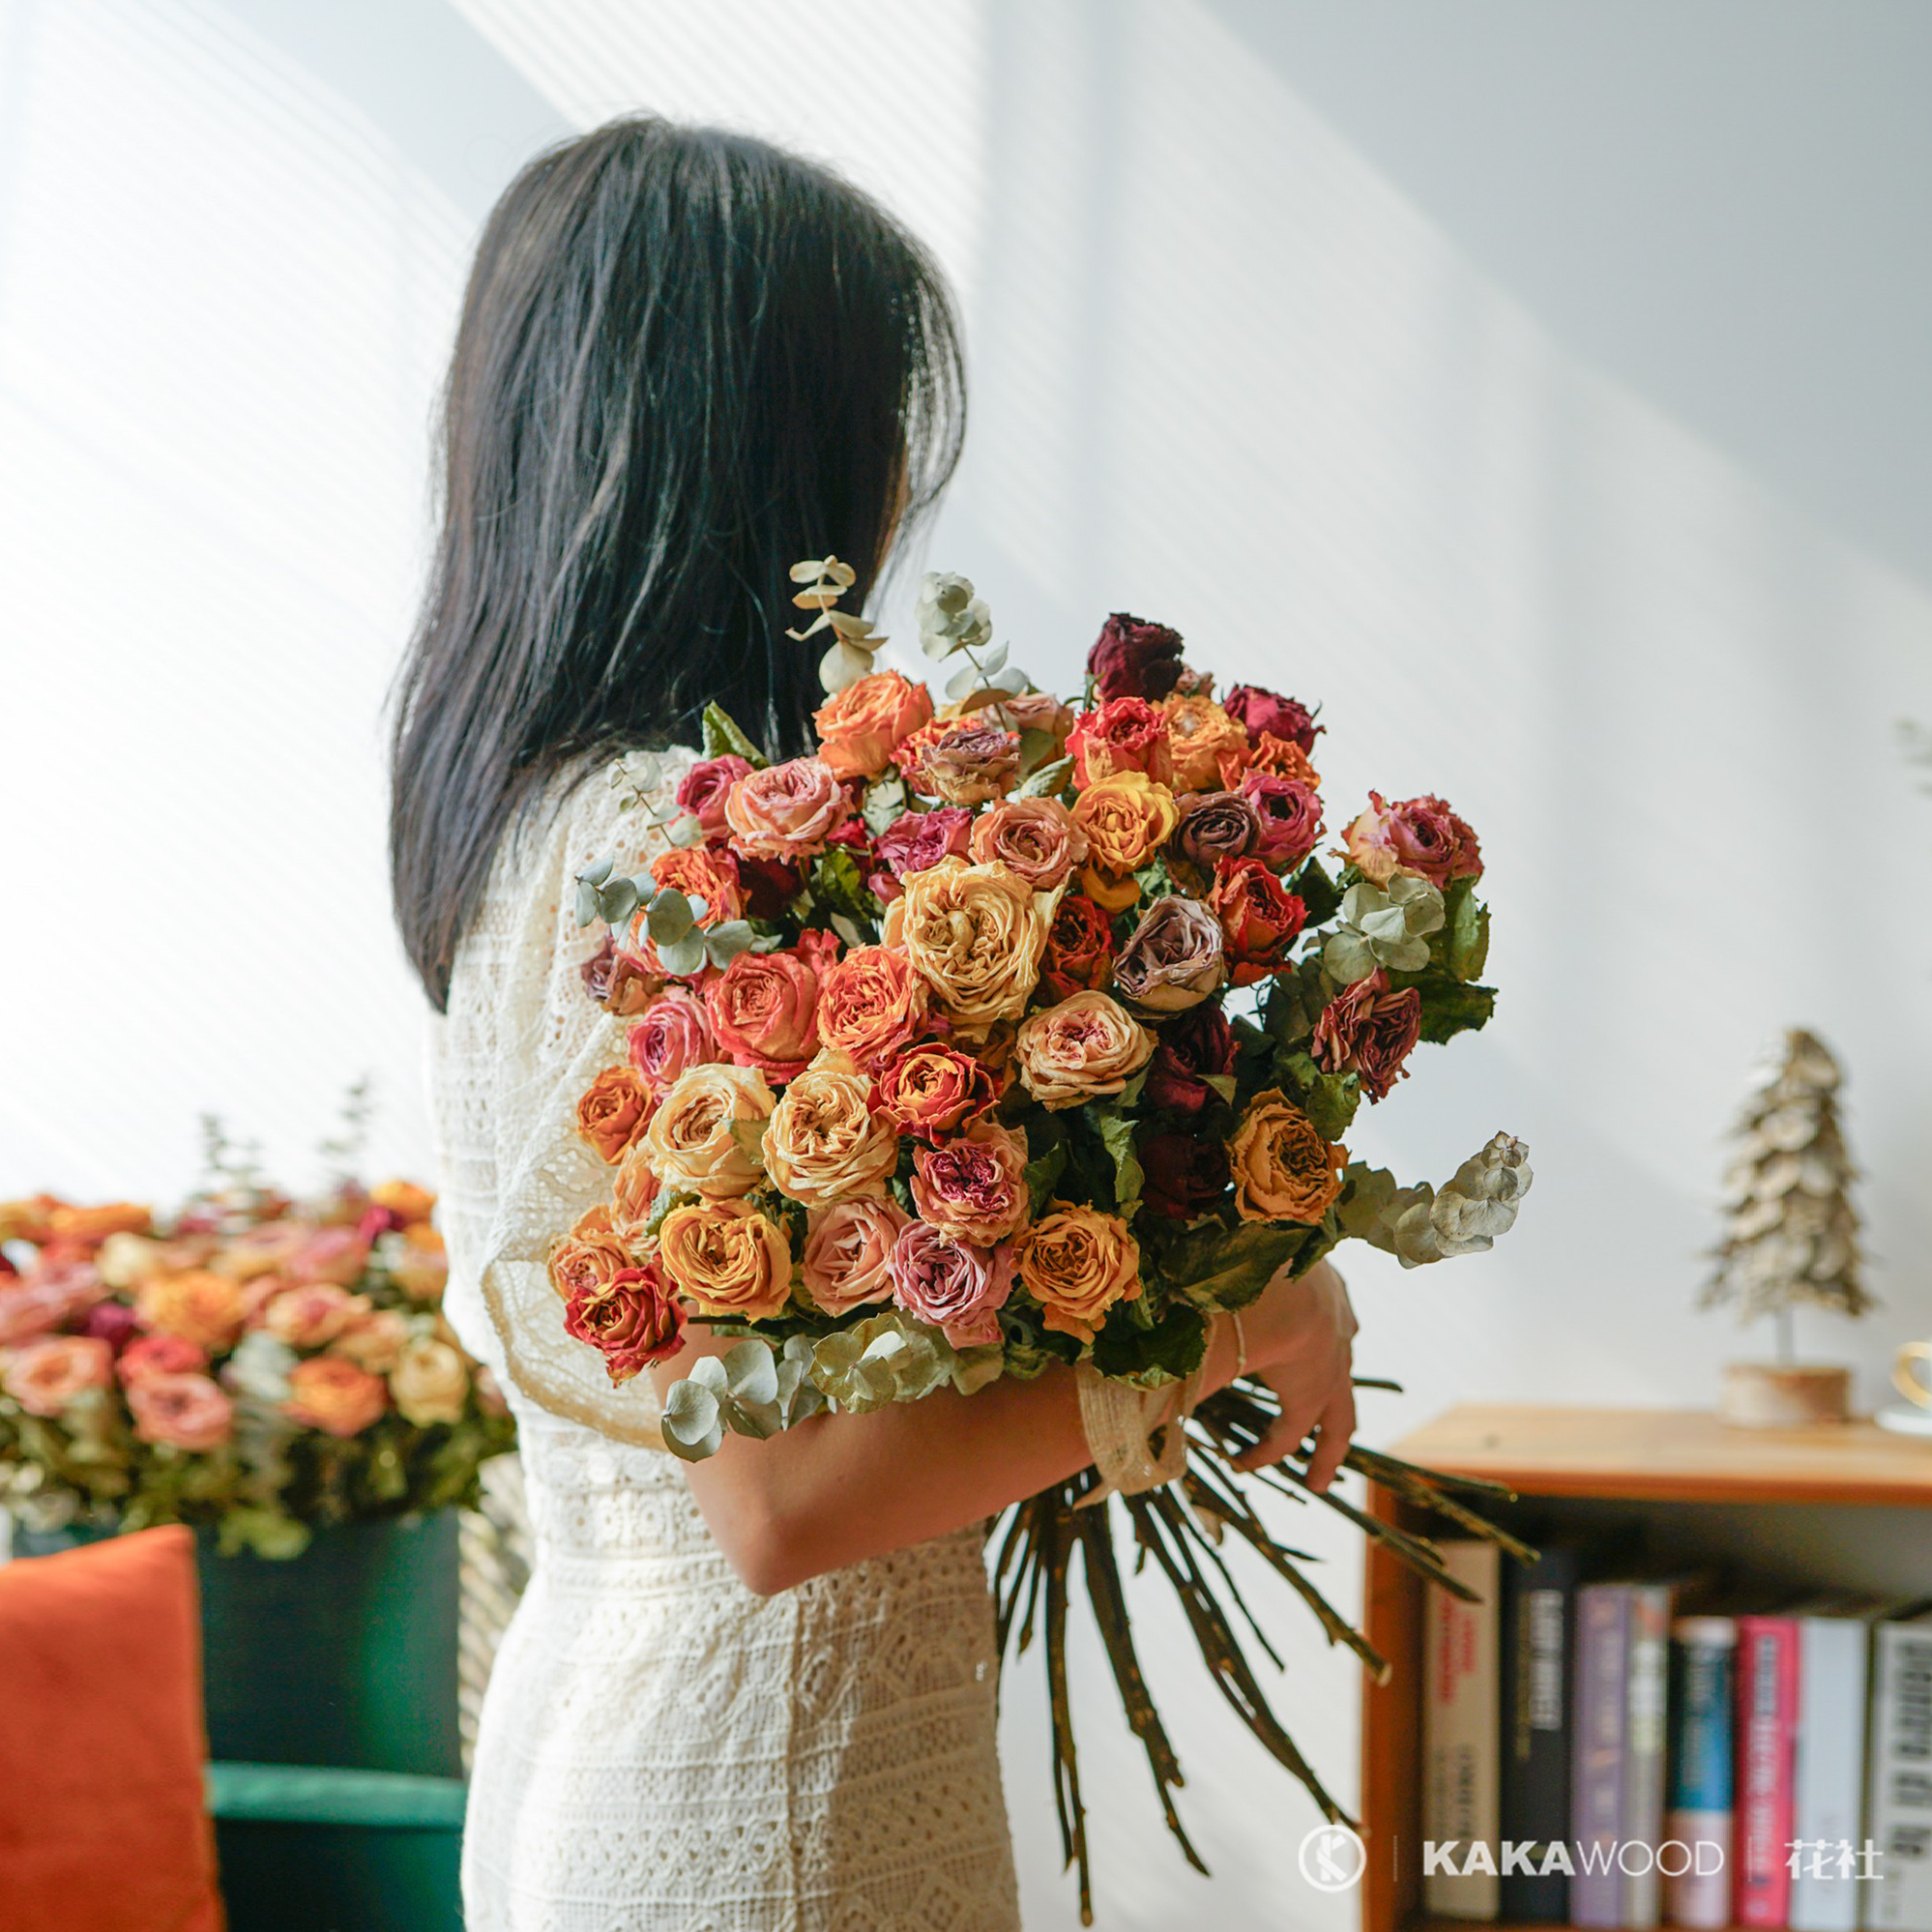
1076	1263
612	1112
700	1140
331	1393
858	726
1128	818
1283	1169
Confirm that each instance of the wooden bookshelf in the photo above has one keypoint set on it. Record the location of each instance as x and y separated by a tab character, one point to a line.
1849	1503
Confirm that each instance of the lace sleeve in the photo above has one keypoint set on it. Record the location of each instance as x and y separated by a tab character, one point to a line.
541	1041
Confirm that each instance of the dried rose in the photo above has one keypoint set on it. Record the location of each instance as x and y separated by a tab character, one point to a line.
1266	712
974	1188
1214	826
1134	658
1079	953
1127	734
1260	918
703	790
637	1320
1034	837
951	1284
1421	836
915	842
1182	1174
1289	815
1194	1049
1076	1263
1175	959
785	811
1369	1031
1283	1169
930	1088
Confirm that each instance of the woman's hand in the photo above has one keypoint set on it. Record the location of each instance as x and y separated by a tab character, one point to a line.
1298	1336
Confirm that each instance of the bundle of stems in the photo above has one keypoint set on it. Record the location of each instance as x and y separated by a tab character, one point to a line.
1181	1528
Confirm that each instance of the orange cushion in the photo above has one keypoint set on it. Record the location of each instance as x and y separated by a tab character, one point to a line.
103	1817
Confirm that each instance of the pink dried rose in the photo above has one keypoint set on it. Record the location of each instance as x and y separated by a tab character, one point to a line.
974	1188
1369	1031
1289	817
703	789
1133	659
1268	712
673	1033
330	1254
50	1375
112	1322
848	1251
785	811
1421	836
160	1355
764	1007
310	1314
951	1284
915	842
1034	837
29	1308
182	1411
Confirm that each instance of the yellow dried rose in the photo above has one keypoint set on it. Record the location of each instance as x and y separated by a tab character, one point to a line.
1128	818
825	1142
975	933
694	1140
728	1258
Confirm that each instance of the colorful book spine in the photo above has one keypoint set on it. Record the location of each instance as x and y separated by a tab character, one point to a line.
1640	1827
1767	1736
1828	1779
1899	1818
1537	1608
1460	1734
1602	1717
1703	1688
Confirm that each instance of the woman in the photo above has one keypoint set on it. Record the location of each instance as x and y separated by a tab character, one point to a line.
755	1692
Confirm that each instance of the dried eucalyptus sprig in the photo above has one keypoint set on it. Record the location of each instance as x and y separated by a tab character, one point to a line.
1179	1528
952	620
1384	927
670	919
856	643
1421	1224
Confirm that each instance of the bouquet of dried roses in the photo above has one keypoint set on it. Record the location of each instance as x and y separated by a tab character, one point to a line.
1014	1032
250	1362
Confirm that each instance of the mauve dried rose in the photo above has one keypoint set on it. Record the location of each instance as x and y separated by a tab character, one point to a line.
1216	825
1175	959
1369	1031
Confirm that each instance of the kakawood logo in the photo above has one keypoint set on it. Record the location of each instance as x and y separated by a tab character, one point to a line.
1674	1858
1333	1856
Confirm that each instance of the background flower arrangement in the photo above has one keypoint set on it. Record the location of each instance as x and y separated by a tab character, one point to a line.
250	1362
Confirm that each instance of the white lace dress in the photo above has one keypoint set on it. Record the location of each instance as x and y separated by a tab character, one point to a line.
660	1749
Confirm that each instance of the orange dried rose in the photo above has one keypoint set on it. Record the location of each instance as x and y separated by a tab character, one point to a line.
613	1110
1283	1169
858	726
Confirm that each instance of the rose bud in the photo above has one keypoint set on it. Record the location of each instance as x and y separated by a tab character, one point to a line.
1175	958
1260	918
1369	1031
1134	658
1214	826
1184	1174
1196	1047
1267	712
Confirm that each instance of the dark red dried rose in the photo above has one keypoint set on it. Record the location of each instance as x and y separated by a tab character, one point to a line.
1185	1174
1197	1047
1268	712
1134	658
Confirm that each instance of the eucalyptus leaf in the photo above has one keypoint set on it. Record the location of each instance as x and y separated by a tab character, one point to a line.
671	919
1048	779
684	957
722	735
693	1423
724	943
618	901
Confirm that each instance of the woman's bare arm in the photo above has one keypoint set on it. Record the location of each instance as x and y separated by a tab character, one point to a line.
836	1489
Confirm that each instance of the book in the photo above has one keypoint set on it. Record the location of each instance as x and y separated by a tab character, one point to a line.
1599	1722
1461	1734
1899	1788
1767	1735
1835	1641
1538	1607
1640	1823
1701	1707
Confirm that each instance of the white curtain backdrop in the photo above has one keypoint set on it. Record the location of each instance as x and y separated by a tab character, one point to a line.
1225	374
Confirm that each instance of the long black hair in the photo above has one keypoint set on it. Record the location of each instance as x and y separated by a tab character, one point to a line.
687	360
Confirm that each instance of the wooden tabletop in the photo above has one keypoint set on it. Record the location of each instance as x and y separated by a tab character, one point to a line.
1673	1454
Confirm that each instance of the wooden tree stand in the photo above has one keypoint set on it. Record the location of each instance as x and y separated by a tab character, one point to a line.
1783	1395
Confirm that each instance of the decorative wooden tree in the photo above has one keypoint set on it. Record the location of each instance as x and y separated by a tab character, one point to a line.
1793	1233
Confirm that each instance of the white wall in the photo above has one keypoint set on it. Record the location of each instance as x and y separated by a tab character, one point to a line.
1228	373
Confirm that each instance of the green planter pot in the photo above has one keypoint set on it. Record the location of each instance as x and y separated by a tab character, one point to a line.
331	1688
344	1655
